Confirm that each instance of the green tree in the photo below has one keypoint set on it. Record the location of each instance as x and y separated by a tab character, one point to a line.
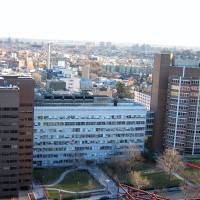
123	91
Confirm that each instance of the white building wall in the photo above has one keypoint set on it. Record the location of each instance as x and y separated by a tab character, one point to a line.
61	63
64	135
142	98
69	72
72	84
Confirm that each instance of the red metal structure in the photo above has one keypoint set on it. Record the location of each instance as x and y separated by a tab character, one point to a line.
197	167
130	193
126	192
192	165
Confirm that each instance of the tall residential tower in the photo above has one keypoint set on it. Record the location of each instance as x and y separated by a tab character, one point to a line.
175	102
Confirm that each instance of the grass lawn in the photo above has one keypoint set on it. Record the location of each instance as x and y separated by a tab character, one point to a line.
194	161
55	195
145	166
161	180
191	173
120	175
47	176
78	181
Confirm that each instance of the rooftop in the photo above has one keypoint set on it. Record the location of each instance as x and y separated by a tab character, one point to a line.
82	100
9	87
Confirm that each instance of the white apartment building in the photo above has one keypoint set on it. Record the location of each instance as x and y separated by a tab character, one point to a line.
72	129
72	84
67	72
143	98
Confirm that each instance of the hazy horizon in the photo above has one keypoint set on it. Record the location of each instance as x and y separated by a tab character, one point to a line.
166	23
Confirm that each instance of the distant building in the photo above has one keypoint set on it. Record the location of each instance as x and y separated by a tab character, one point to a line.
143	98
109	45
86	84
72	84
22	63
198	54
67	72
102	44
61	63
29	63
13	64
124	69
86	72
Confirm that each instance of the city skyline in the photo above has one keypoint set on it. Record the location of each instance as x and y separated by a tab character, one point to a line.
154	22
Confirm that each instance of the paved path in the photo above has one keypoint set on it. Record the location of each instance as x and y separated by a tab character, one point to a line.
99	175
62	176
186	181
71	192
96	172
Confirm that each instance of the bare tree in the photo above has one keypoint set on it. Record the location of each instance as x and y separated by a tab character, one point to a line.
134	157
37	77
185	189
122	166
188	191
119	167
132	160
170	162
138	180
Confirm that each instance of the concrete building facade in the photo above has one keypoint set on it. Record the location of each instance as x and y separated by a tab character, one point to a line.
143	98
85	129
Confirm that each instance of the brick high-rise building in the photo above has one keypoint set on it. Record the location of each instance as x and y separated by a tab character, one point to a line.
9	137
182	124
22	99
175	102
159	97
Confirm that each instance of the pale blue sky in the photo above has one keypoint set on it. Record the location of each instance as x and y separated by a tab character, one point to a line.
167	22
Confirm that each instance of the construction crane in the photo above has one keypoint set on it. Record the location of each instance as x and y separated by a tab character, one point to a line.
126	192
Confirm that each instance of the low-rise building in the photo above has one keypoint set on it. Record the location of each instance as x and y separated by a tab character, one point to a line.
72	84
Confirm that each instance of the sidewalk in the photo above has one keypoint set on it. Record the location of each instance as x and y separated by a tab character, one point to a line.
110	187
99	175
62	176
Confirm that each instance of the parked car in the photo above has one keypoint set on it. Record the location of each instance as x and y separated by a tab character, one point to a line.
104	198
